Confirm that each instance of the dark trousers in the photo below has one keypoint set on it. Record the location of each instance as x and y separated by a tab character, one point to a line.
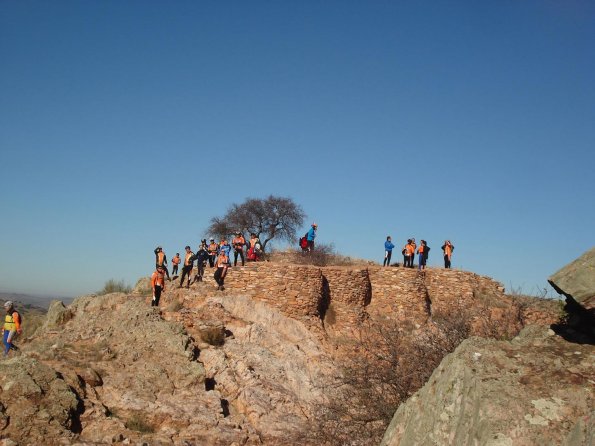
408	261
212	258
219	276
239	252
387	255
174	270
164	267
185	272
157	296
446	262
200	271
310	245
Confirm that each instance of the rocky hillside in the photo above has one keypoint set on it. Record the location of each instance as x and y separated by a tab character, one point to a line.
288	354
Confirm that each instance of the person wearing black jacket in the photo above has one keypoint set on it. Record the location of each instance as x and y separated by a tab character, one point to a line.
201	257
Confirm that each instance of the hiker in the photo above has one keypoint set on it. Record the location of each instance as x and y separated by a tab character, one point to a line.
408	253
225	248
161	260
12	327
448	248
311	236
175	262
201	257
213	249
187	268
238	248
158	285
388	251
251	251
220	273
423	252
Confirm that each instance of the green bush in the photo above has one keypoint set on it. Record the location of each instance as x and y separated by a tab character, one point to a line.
113	286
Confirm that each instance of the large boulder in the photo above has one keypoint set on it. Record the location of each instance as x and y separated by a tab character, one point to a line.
537	389
577	280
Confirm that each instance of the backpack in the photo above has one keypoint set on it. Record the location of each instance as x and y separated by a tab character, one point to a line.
303	242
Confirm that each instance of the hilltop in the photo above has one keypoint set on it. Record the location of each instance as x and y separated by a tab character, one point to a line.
287	354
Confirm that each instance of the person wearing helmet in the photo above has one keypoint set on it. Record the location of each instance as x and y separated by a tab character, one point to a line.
238	248
187	269
213	249
161	260
158	285
12	327
311	236
175	262
201	257
225	248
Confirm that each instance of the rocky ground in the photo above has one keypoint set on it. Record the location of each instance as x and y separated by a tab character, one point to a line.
207	368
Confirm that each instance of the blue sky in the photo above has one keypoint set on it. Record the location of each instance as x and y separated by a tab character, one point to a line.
124	125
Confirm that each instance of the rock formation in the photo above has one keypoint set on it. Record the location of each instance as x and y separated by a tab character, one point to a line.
534	390
256	364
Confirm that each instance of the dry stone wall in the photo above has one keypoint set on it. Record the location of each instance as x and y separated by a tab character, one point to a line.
340	298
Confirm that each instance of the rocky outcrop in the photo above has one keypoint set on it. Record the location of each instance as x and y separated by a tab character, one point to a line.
537	390
577	280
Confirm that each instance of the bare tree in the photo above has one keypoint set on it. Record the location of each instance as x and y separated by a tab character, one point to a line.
267	218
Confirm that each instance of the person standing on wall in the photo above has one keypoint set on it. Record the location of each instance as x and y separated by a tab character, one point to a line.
238	248
448	248
408	253
423	252
225	248
158	285
161	260
311	236
213	249
388	251
175	262
187	269
221	272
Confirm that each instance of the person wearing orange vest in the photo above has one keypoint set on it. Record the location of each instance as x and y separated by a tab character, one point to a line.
213	250
12	327
188	263
408	253
175	261
448	248
423	252
161	260
158	285
220	273
238	248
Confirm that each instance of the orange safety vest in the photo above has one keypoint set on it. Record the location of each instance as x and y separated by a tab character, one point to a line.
213	248
160	257
176	260
238	241
448	250
187	259
421	249
157	279
409	249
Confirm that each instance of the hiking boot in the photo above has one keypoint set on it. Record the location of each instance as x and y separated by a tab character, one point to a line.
222	288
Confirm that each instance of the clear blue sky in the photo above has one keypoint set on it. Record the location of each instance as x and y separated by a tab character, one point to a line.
124	125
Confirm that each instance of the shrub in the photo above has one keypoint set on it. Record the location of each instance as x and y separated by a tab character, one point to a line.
138	423
322	255
114	286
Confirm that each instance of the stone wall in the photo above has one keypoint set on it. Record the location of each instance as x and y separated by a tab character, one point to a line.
341	298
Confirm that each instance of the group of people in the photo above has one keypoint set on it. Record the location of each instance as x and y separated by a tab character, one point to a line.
411	249
216	255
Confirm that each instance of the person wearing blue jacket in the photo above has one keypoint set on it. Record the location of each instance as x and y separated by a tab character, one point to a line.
388	251
311	236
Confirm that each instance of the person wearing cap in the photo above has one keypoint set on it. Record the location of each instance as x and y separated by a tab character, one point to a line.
12	327
158	285
161	260
213	249
311	236
187	269
175	262
225	248
238	248
388	251
201	257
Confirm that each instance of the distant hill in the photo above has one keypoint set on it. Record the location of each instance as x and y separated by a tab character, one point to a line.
28	300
